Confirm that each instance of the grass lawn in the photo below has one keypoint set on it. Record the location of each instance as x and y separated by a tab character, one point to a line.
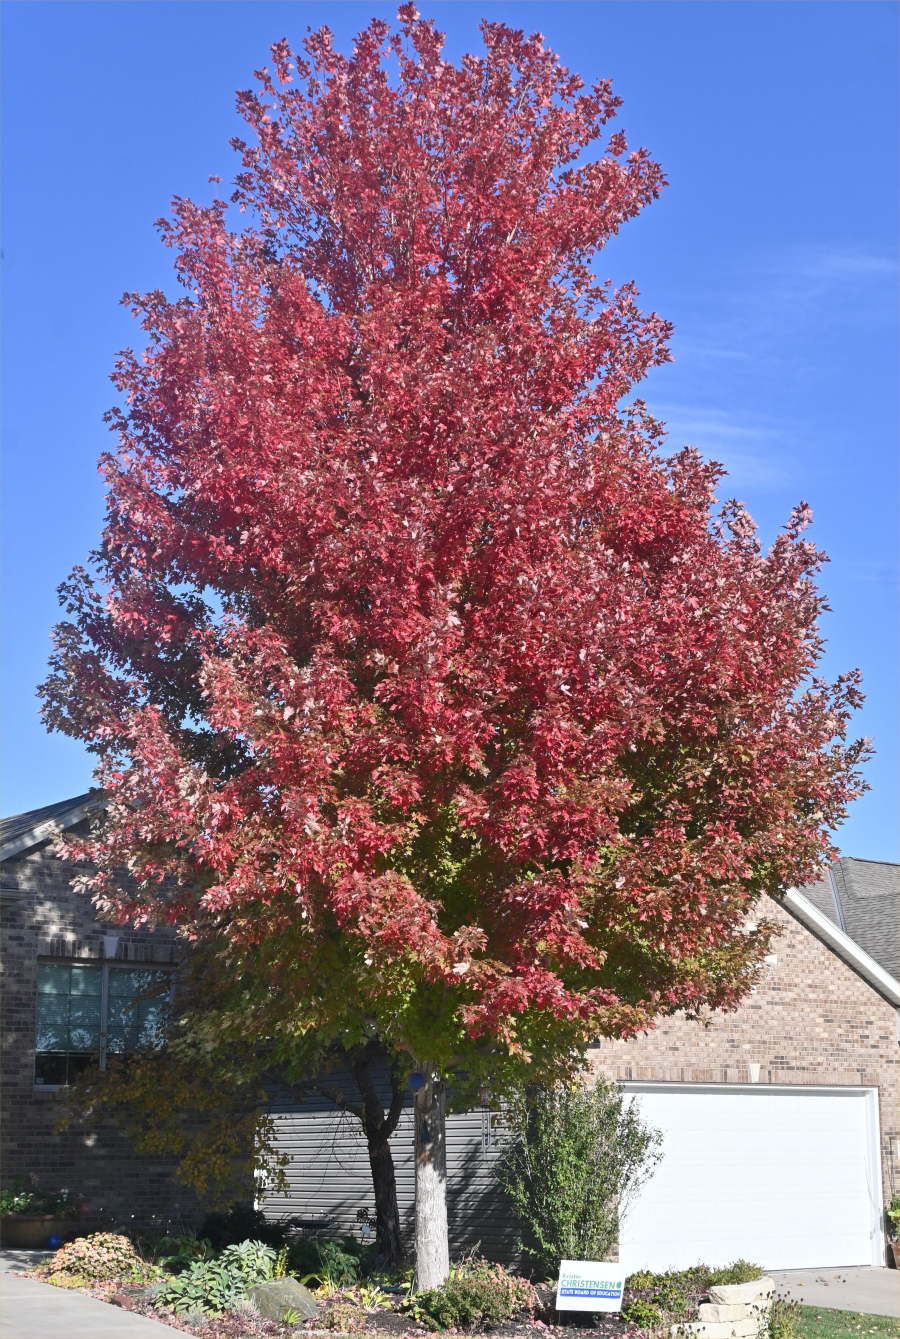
825	1324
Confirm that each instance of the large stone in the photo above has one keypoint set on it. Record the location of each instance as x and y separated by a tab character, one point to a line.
733	1294
717	1329
724	1311
281	1295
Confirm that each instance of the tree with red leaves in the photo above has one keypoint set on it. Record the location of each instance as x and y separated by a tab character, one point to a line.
425	679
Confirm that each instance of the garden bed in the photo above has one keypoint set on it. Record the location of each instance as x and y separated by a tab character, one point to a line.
345	1312
214	1288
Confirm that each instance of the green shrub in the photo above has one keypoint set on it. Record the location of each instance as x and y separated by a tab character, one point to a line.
672	1295
667	1293
699	1278
213	1286
476	1293
574	1158
642	1278
340	1261
99	1257
20	1199
741	1271
175	1253
784	1318
666	1296
641	1312
241	1222
303	1256
337	1263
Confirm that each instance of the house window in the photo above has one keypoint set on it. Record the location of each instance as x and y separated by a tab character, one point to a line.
87	1010
491	1127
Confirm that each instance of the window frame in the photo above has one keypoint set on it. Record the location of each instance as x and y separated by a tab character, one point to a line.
491	1127
106	967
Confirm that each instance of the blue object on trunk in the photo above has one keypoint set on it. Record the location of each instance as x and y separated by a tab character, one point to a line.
416	1081
54	1241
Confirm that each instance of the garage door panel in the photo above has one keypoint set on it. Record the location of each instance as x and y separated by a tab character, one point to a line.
778	1177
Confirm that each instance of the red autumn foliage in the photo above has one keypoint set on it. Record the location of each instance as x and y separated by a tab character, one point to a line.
432	684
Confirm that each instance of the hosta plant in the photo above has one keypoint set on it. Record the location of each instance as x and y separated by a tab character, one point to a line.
215	1286
206	1286
253	1260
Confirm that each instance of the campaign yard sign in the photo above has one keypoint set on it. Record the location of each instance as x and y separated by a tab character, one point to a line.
589	1285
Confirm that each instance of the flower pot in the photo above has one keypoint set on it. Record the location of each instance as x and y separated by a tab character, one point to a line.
895	1251
29	1231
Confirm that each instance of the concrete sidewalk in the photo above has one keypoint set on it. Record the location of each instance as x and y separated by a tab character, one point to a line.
857	1289
32	1310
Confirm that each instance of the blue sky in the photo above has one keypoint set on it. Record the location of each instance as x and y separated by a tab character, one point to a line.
773	251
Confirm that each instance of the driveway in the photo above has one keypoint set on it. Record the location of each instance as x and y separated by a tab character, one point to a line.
32	1310
859	1289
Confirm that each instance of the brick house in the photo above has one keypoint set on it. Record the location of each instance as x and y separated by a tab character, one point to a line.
780	1119
791	1101
68	983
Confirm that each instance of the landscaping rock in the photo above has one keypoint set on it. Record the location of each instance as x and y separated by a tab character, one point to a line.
723	1311
735	1293
718	1329
281	1295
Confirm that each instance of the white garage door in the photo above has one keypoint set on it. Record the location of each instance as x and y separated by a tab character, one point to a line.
787	1177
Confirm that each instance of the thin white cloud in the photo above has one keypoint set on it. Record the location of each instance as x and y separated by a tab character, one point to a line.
872	572
747	353
752	452
774	303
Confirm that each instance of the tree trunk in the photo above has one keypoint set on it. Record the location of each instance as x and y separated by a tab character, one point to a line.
378	1129
387	1215
432	1243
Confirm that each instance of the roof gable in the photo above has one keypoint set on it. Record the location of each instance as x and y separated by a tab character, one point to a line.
829	933
22	831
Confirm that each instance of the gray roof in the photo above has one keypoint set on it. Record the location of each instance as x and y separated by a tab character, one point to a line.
862	897
22	831
19	824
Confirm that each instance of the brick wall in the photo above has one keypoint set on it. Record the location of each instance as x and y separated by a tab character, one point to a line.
811	1020
52	921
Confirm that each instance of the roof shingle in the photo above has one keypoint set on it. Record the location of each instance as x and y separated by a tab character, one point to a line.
862	897
868	893
18	824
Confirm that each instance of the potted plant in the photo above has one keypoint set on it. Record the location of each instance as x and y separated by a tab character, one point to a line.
893	1217
29	1216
